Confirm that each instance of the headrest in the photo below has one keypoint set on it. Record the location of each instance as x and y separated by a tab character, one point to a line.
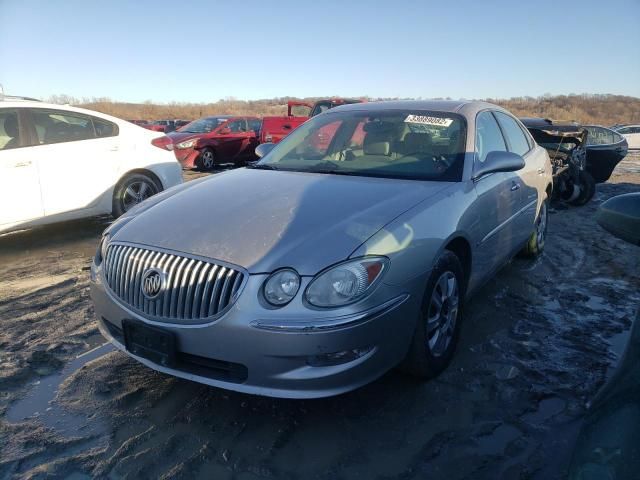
376	148
418	142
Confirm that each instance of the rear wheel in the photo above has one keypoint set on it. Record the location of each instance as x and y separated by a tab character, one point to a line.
438	327
132	190
207	159
587	186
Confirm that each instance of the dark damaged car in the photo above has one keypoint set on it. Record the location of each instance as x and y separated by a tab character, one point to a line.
582	156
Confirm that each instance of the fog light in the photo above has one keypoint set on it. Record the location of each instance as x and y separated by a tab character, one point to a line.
337	358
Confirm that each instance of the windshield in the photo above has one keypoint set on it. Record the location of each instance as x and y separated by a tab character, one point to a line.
395	144
203	125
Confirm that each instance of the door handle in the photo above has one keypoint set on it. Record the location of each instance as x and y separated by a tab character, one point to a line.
114	149
515	186
541	171
22	164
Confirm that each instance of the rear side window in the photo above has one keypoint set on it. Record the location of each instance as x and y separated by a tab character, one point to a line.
515	136
58	126
599	136
488	136
9	130
104	128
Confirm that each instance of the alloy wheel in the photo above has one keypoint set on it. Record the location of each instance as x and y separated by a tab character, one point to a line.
541	226
136	192
207	159
442	313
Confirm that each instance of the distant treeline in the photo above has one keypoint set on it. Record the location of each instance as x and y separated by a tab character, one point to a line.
602	109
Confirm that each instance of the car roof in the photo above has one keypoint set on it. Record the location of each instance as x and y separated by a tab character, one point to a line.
56	106
467	108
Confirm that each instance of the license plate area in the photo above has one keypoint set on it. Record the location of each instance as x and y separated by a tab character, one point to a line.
152	343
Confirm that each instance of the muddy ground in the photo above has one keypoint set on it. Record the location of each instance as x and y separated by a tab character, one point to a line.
537	343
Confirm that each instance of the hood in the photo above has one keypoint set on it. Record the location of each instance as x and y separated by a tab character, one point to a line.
178	137
264	220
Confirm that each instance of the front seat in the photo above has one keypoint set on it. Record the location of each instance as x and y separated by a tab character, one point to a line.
417	143
11	129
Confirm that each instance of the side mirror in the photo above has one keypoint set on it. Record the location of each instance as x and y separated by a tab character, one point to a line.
620	216
224	131
498	162
263	149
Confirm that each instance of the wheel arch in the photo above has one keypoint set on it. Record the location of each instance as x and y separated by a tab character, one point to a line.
140	171
461	247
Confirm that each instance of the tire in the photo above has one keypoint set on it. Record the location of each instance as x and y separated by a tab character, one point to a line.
587	189
426	357
132	190
537	240
206	160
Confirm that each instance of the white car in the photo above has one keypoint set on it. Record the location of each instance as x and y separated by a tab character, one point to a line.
632	134
59	162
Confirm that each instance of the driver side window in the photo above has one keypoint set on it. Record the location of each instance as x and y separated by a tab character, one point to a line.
237	126
488	136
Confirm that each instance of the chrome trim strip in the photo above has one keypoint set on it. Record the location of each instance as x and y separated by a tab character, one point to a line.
503	224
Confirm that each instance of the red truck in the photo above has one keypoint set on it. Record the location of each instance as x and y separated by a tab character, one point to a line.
275	129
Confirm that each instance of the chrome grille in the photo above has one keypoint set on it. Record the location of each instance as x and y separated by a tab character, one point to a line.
193	289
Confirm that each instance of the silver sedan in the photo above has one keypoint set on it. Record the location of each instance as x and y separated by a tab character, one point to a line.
347	250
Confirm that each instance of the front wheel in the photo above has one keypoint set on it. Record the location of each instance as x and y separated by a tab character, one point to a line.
134	189
207	159
438	327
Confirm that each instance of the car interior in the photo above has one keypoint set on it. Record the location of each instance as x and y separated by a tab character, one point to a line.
386	146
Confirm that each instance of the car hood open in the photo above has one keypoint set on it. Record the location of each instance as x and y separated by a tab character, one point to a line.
264	220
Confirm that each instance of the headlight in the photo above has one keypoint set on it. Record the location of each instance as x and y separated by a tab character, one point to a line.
345	283
101	253
187	143
281	287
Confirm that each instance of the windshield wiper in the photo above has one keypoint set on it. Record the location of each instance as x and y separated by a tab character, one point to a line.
262	166
333	171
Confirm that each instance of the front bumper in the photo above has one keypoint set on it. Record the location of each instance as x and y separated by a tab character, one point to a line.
186	156
249	350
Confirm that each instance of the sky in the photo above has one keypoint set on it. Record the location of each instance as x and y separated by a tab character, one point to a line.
203	51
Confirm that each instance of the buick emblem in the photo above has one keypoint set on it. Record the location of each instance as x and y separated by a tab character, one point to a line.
152	283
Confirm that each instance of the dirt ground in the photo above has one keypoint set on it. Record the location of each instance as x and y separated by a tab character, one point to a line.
537	343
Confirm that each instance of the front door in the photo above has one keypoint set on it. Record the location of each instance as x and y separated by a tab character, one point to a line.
498	200
234	140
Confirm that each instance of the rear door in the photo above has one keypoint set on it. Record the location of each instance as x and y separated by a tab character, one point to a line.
78	157
605	149
20	198
498	199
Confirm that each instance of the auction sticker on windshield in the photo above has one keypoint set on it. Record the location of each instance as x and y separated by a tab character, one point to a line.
426	120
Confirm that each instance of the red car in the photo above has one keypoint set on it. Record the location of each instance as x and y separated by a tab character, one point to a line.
165	126
211	141
275	129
